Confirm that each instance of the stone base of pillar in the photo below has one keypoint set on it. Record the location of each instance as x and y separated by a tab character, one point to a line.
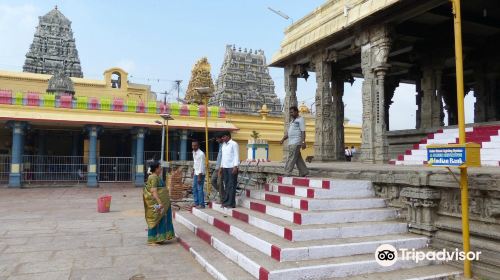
92	180
14	180
139	179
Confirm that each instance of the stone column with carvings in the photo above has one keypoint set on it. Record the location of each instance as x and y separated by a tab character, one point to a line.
421	203
390	88
290	100
323	144
338	115
431	114
374	54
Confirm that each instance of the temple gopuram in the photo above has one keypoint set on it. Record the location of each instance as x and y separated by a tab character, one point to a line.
244	84
53	47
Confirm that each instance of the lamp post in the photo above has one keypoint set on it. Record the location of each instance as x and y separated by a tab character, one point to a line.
164	138
206	92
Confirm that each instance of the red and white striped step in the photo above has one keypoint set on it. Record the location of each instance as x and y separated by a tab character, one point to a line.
322	183
340	191
486	136
263	267
301	217
316	204
284	250
293	232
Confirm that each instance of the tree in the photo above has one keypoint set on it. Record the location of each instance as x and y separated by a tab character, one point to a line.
255	135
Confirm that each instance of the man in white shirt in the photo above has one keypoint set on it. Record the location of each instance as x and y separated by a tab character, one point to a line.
198	175
229	165
296	136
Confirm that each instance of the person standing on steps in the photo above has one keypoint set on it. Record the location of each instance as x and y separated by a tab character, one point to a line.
198	175
296	135
230	161
217	174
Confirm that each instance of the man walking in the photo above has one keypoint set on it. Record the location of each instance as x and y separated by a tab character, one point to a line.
216	178
198	175
230	161
296	136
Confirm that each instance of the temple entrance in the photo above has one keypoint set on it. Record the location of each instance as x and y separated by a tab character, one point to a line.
116	169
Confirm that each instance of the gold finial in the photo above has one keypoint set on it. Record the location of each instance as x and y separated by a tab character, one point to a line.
264	112
303	109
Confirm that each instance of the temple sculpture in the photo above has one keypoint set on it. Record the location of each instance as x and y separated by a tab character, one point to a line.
200	77
244	84
53	47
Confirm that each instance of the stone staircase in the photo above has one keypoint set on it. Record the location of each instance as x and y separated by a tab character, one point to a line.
487	136
301	228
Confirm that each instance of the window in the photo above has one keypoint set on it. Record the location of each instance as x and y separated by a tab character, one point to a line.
116	80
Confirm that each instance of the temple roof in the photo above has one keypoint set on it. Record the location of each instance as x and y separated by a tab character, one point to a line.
55	16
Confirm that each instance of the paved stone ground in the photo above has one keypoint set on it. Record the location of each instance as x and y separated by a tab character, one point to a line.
56	233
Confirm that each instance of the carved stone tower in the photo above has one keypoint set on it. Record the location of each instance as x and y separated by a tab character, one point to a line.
244	84
53	47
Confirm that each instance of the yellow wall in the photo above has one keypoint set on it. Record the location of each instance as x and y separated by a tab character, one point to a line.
272	131
24	82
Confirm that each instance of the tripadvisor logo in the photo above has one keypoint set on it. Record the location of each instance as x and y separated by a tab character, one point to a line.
387	255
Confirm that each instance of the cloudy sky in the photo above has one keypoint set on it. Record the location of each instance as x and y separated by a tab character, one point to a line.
159	41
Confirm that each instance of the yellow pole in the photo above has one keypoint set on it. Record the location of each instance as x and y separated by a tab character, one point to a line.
166	144
206	146
461	129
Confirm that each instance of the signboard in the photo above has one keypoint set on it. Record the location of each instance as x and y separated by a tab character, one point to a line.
446	156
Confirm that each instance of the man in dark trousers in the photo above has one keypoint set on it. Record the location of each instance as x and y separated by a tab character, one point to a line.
229	165
216	178
296	135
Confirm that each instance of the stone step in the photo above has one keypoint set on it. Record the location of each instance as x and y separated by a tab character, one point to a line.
316	204
321	183
284	250
431	272
339	191
214	262
319	217
263	267
293	232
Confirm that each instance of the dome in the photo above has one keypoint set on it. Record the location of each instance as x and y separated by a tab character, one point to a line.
60	83
303	109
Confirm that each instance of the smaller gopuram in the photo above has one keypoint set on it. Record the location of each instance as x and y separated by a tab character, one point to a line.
244	84
200	77
53	47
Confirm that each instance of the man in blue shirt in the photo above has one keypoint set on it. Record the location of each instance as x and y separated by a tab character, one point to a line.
216	175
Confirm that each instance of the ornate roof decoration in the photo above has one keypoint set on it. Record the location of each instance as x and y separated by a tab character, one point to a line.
244	84
200	78
53	47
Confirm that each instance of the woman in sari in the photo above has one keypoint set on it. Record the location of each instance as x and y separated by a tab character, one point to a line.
157	208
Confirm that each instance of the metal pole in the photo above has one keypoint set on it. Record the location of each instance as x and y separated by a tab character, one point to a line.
162	147
206	146
461	129
166	150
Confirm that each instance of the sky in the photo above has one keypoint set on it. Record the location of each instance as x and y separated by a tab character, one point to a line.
158	42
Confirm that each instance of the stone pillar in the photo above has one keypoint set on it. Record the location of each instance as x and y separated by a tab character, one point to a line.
421	203
431	109
18	133
184	144
290	100
133	153
485	108
374	54
324	140
338	115
449	93
93	131
139	156
390	88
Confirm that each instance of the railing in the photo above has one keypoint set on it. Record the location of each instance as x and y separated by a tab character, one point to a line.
116	169
174	156
4	168
49	100
53	168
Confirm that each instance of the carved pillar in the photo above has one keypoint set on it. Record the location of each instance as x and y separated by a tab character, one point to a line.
390	88
485	89
431	112
323	144
374	65
290	100
422	204
338	115
449	92
418	101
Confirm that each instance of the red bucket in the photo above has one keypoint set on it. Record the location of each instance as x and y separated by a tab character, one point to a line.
103	204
